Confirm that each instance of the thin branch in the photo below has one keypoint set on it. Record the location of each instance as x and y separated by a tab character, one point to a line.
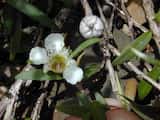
135	69
130	22
124	16
37	109
106	51
86	7
149	10
13	91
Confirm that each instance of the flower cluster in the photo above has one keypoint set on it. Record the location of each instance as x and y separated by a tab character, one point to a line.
55	57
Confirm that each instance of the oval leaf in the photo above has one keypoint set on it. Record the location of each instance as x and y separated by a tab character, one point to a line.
31	11
72	107
138	44
84	45
145	57
37	74
144	87
91	70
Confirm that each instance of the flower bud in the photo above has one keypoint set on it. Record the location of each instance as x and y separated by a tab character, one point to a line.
91	26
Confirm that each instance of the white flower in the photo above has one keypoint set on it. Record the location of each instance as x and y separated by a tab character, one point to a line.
91	26
55	58
38	56
54	42
73	74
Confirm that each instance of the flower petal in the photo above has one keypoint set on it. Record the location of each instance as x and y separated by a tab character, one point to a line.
73	74
54	42
71	61
38	56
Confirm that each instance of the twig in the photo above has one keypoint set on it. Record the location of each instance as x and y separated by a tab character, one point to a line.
13	91
130	22
86	7
37	109
3	105
149	10
106	52
124	16
135	69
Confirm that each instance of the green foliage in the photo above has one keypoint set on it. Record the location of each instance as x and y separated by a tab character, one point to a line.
8	20
84	108
97	111
68	3
100	98
144	87
139	44
31	11
144	111
83	99
37	74
84	45
15	39
72	108
145	57
157	17
91	70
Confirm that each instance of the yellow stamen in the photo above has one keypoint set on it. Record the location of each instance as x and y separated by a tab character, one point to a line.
58	63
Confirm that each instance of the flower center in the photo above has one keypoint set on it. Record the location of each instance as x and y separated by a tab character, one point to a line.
58	63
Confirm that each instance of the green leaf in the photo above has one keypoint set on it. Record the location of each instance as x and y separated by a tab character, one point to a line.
15	42
8	19
37	74
97	111
84	45
157	17
145	57
85	109
31	11
138	44
91	70
144	87
68	3
72	107
83	99
100	98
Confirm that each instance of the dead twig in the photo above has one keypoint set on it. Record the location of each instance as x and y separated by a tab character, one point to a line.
135	69
106	52
124	16
38	106
149	11
13	91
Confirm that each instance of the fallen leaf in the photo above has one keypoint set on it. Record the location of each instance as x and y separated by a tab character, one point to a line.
135	9
131	88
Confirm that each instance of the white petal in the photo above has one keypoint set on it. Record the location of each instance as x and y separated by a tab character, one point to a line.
54	42
73	74
38	56
71	62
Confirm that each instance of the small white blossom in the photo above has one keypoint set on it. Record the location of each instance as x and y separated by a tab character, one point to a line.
54	42
91	26
38	56
73	74
55	58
